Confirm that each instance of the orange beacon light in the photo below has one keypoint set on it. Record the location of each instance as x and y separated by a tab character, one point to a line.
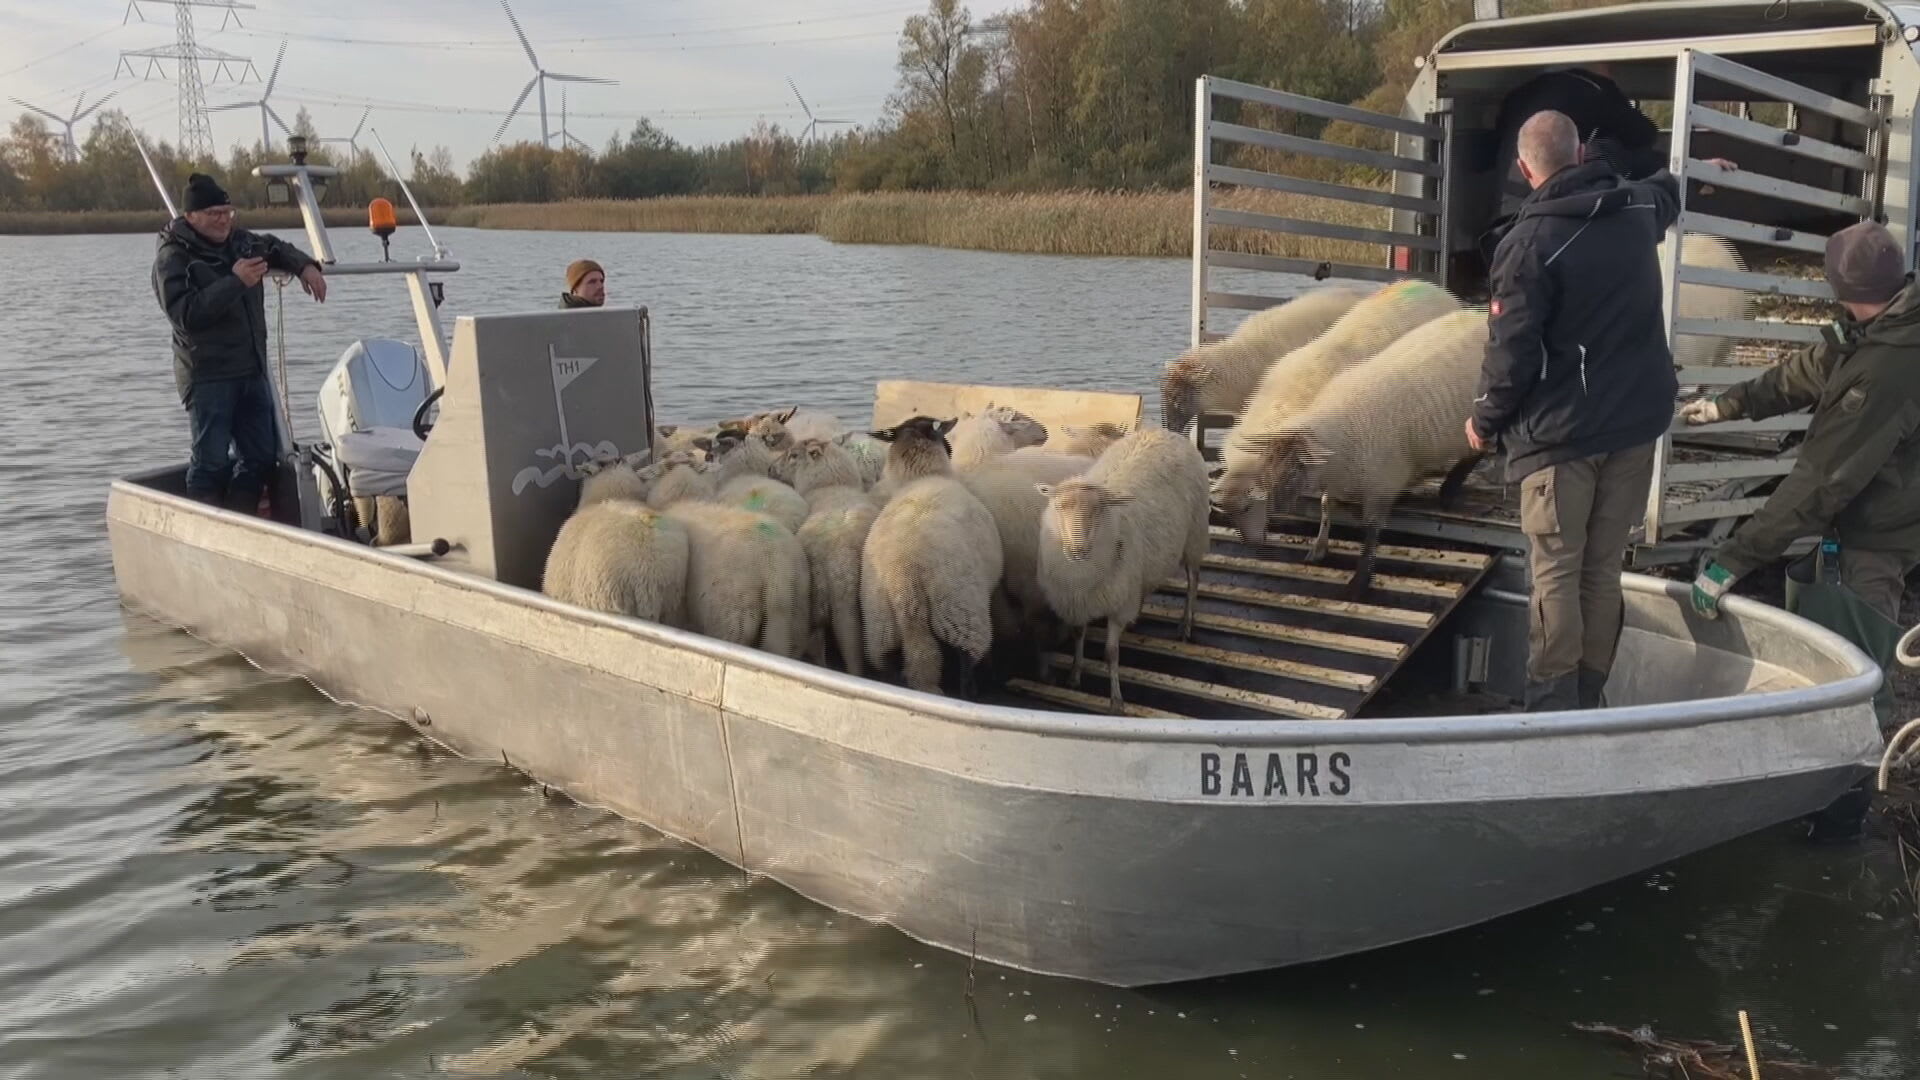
381	222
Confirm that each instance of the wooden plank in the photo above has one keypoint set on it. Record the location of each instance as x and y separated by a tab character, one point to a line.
1074	699
1194	688
1313	605
1740	75
1751	330
1681	513
1254	178
1775	188
1767	135
1247	219
1243	661
1293	635
1280	264
1765	284
1467	560
1281	99
1329	575
1694	221
895	400
1296	144
1687	472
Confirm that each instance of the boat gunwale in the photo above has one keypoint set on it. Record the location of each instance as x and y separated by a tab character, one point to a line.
1855	688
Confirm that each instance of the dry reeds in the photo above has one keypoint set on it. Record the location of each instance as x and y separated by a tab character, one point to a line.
99	222
769	215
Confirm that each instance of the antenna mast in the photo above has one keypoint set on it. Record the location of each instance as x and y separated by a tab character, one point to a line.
196	134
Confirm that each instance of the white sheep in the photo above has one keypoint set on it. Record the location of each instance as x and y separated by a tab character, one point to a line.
998	429
927	577
833	537
804	424
746	577
870	453
1220	376
1378	429
1089	441
1294	380
618	479
1708	301
765	495
1108	539
676	478
621	557
917	447
1006	486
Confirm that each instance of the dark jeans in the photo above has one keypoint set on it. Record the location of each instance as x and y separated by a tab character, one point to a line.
236	412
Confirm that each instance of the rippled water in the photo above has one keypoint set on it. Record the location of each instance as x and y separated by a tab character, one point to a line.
209	871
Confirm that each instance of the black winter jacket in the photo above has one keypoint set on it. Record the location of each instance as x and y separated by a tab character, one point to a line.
219	325
1577	362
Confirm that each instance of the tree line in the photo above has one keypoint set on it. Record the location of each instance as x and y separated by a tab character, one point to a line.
1059	94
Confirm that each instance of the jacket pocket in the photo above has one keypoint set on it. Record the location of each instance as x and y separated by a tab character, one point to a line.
1539	503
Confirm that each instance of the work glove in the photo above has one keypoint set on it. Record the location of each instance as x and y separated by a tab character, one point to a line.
1709	587
1705	410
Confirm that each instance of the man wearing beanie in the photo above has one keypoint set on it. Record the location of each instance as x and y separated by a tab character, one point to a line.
207	275
586	285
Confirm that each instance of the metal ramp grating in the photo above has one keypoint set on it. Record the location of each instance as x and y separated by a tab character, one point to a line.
1273	636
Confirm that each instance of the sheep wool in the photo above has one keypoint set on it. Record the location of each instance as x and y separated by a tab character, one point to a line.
765	495
927	577
1007	487
621	557
1110	537
1708	301
746	577
996	430
612	480
1293	381
870	453
833	537
676	480
1218	377
818	463
1378	429
1090	441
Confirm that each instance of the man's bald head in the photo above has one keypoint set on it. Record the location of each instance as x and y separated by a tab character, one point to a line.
1548	143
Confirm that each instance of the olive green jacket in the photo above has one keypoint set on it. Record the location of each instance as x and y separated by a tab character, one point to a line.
1858	473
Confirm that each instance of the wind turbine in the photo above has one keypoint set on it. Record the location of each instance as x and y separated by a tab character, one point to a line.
539	80
72	148
352	140
813	121
266	110
566	136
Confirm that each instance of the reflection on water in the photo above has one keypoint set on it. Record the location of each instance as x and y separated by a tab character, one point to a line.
207	870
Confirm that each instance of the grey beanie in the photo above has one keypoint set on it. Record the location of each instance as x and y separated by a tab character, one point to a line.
1864	264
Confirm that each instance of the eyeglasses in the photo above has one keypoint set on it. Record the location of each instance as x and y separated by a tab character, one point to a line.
218	214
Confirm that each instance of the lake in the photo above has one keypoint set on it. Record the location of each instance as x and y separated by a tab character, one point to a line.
209	871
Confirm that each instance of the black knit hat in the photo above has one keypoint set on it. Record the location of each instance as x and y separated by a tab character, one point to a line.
1864	264
203	192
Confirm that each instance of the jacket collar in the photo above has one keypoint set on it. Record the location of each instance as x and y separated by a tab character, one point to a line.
178	231
1583	191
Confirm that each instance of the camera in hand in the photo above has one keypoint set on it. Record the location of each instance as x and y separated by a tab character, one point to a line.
248	247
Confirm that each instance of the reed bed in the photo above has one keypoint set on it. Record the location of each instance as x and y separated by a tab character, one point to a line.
771	215
99	222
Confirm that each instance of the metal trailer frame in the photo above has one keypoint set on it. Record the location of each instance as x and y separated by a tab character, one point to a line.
1425	163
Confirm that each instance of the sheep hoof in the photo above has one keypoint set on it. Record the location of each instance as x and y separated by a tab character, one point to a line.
1116	706
1358	588
1317	553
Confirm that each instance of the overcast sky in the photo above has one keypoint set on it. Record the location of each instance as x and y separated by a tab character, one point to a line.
705	70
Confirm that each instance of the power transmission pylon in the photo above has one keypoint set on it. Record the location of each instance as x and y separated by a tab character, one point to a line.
196	134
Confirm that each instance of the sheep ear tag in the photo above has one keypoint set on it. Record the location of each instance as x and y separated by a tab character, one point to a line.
1045	490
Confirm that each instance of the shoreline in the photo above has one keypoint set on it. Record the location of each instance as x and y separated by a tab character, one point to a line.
1154	224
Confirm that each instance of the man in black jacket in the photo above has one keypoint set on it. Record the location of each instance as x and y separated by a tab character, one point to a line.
1577	386
207	276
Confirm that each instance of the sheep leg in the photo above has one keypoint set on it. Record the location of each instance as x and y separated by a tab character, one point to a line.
1193	599
920	662
1079	654
846	633
1373	513
1114	704
1457	479
1324	538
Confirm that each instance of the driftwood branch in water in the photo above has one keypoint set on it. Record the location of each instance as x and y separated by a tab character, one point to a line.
1694	1059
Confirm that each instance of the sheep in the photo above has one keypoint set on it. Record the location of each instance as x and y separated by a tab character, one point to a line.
677	478
1378	429
1292	382
746	577
806	424
1218	377
996	430
917	447
386	518
1006	487
1089	441
833	537
870	453
765	495
1708	301
618	479
1110	537
927	576
621	557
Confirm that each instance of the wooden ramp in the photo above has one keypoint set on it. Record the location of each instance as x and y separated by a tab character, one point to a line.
1273	636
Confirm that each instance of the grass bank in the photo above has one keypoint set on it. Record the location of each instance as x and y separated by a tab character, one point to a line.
94	222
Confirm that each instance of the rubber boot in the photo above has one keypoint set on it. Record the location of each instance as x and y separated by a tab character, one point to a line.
1554	695
1593	687
1844	821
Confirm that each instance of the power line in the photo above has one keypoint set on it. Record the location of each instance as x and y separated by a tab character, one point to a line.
324	96
510	45
58	52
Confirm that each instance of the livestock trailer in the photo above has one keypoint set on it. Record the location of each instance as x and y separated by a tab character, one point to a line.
1814	100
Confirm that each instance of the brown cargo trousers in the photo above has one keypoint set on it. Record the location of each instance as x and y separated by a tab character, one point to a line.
1577	516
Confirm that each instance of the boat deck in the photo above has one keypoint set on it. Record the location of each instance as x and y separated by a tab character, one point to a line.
1273	636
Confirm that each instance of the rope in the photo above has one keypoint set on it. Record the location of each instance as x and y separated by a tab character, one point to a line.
1899	754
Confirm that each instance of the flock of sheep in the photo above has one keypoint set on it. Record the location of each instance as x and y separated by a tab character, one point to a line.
922	544
925	544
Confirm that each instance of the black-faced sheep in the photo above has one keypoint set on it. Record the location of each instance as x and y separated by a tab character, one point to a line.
1293	382
916	447
621	557
1110	537
1218	377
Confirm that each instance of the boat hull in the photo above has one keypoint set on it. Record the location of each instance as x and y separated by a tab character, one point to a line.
1121	851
